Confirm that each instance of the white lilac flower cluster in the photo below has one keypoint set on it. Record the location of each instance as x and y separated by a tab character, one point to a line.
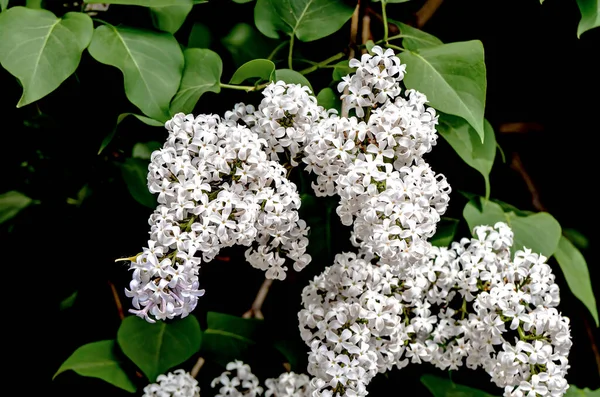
470	304
239	381
216	188
174	384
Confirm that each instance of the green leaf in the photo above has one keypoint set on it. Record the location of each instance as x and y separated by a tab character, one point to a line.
294	352
98	360
453	77
261	68
538	231
575	269
415	39
292	77
577	238
11	203
306	19
574	391
3	5
329	99
200	36
441	387
369	45
229	337
144	150
146	120
170	18
156	348
342	69
590	15
245	43
202	73
68	301
40	49
466	143
135	174
445	231
151	63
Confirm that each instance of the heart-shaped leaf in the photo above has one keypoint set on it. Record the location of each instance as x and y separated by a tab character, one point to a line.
292	77
414	39
156	348
453	77
11	203
306	19
261	68
575	269
538	231
98	360
444	233
229	337
170	18
135	174
40	49
329	99
590	15
202	73
466	143
151	63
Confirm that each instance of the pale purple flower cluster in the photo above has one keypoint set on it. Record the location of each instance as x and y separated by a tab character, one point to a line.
174	384
470	304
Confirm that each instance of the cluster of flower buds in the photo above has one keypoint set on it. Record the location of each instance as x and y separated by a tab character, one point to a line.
470	304
174	384
239	381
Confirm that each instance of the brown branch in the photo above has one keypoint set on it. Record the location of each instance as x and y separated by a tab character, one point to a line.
520	127
117	300
517	165
366	34
197	367
255	309
426	12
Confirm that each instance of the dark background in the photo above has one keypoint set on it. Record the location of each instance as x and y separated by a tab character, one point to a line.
539	73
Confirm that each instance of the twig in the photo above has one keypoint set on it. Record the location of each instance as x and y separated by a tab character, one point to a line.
197	367
255	309
520	127
366	34
517	165
117	300
590	333
426	12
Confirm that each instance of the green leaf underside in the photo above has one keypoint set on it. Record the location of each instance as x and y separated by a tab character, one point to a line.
98	360
170	18
202	73
11	203
466	143
262	68
453	76
445	231
575	270
308	20
156	348
292	77
414	39
151	63
135	174
40	49
538	231
590	15
441	387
